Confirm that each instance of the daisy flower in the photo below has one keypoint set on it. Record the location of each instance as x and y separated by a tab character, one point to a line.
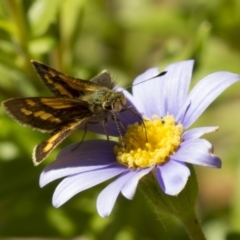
162	145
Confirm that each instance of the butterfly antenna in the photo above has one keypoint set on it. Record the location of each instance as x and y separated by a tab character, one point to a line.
159	75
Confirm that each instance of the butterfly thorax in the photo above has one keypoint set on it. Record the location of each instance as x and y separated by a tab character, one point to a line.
105	101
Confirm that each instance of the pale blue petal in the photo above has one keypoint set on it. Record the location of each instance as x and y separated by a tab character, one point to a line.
72	160
179	117
52	175
197	151
74	151
177	80
205	92
198	132
149	96
107	198
77	183
129	189
172	177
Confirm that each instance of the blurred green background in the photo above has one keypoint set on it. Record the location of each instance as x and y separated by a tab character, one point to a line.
81	38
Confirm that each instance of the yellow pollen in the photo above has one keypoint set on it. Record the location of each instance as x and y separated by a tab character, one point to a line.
149	144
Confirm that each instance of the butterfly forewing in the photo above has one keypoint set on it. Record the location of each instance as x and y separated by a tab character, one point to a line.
46	114
62	85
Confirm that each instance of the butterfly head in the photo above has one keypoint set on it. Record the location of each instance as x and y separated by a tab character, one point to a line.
114	102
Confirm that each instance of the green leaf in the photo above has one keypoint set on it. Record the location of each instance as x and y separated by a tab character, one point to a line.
70	17
42	14
41	45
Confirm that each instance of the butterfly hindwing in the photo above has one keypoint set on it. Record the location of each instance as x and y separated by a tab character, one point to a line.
104	79
43	149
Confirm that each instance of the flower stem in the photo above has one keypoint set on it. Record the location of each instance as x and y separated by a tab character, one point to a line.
181	207
192	226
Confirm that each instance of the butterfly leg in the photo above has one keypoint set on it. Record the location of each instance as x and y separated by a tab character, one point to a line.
139	116
84	135
118	122
105	129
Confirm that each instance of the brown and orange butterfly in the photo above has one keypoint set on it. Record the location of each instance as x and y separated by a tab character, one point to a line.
76	103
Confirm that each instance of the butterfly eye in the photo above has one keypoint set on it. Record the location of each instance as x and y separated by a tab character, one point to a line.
108	106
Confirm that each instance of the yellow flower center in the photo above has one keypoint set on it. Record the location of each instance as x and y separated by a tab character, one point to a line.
149	144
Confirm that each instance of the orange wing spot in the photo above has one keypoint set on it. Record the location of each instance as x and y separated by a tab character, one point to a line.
47	116
49	80
43	115
56	120
30	102
62	90
51	72
50	142
56	104
25	111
